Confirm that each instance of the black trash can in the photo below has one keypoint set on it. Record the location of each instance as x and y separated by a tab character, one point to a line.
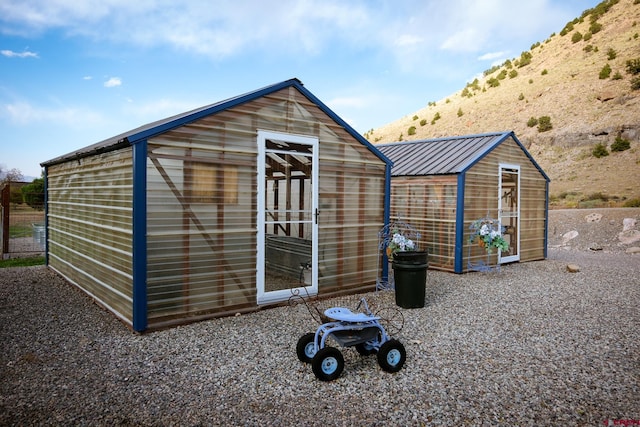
410	277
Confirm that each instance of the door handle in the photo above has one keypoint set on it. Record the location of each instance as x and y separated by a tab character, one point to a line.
316	215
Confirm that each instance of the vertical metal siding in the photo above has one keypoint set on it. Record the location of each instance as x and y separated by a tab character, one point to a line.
89	207
481	199
429	203
202	245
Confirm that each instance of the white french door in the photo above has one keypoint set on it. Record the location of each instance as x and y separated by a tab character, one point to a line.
509	211
287	255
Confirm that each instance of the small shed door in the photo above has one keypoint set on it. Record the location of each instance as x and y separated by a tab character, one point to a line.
287	216
509	211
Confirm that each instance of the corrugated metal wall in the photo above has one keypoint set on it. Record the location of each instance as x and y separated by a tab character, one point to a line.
201	203
428	203
90	226
481	199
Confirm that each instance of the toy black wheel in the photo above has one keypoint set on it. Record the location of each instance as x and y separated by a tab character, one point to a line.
305	349
365	349
392	356
327	364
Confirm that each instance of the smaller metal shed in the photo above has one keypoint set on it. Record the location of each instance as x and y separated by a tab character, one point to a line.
219	210
440	186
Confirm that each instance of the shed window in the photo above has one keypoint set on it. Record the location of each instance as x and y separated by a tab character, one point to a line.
213	183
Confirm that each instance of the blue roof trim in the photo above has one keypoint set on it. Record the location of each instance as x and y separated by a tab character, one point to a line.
209	110
526	152
311	97
503	137
150	130
482	155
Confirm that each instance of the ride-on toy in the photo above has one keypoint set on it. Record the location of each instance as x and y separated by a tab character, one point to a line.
362	330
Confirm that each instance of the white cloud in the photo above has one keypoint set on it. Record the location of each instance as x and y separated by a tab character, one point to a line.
87	78
113	82
154	110
492	55
23	113
12	54
412	31
408	40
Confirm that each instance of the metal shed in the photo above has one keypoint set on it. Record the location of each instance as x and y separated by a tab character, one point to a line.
219	210
440	186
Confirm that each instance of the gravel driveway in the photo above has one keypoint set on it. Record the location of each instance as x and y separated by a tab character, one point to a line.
530	345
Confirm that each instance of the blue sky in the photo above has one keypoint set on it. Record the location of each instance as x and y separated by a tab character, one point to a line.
74	72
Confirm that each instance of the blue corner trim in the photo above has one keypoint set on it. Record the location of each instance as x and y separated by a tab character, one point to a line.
46	217
386	218
458	261
140	236
546	219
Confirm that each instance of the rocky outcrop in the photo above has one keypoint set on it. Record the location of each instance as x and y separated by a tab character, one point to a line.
607	229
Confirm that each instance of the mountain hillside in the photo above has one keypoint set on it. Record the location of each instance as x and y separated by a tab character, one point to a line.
565	79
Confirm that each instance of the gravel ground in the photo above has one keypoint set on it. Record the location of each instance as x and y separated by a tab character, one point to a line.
530	345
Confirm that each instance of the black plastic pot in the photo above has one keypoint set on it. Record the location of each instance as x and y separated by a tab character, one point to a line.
410	277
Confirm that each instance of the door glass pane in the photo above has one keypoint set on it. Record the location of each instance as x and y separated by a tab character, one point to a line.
288	215
509	209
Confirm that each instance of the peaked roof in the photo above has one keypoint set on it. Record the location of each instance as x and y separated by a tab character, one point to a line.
152	129
443	156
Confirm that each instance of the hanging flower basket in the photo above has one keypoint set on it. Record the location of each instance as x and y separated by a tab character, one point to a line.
487	233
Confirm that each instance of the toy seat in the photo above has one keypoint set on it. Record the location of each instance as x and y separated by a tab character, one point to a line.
342	314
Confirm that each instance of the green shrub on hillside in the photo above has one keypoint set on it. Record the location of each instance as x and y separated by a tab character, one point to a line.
611	54
567	29
491	70
620	144
525	59
423	122
588	48
587	36
493	82
600	150
633	203
415	118
411	130
617	76
513	74
595	28
521	97
633	66
576	37
544	124
502	75
460	113
635	83
544	72
532	122
605	72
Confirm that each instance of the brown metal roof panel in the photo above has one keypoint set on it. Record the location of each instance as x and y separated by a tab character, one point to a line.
437	156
